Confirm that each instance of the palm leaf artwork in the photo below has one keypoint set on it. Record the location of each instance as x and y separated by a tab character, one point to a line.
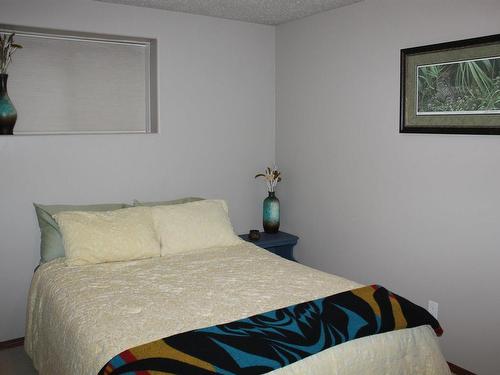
473	73
272	176
427	79
7	50
457	87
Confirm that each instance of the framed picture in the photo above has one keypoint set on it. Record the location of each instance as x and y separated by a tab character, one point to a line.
451	87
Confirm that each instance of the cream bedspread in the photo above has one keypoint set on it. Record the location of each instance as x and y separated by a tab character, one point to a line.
79	317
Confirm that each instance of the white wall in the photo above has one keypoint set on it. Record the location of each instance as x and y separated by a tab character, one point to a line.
419	214
216	88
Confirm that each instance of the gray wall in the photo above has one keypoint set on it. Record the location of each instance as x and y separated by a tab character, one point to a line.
216	88
417	213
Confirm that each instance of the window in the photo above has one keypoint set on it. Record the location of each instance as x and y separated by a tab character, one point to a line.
66	83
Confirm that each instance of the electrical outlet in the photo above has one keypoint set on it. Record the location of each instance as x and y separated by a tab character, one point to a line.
433	308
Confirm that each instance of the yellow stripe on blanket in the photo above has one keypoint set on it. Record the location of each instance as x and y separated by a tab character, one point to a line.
367	295
160	349
399	318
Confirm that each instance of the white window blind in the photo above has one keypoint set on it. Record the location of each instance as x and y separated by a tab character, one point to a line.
82	83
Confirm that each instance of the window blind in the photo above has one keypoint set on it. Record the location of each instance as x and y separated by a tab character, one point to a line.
84	83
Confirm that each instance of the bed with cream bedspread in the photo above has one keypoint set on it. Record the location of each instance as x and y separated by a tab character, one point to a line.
81	316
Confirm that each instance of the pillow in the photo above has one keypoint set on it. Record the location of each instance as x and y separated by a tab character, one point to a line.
167	203
111	236
192	226
51	245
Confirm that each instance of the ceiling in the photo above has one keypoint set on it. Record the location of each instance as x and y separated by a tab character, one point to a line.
269	12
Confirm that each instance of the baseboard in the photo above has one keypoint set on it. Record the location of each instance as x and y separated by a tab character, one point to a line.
12	343
459	370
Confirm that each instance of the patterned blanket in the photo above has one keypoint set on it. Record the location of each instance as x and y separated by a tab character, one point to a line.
268	341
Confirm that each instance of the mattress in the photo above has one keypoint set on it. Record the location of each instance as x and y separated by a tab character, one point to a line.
80	317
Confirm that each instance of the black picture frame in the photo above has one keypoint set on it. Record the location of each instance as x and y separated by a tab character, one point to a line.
449	53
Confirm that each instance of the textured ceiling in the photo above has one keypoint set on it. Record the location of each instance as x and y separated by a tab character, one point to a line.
270	12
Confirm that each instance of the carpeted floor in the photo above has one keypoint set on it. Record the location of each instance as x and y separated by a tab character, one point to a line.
15	361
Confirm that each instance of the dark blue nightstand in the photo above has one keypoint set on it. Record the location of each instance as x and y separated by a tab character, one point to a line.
280	243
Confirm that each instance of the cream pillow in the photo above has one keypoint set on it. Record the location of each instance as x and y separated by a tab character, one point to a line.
110	236
192	226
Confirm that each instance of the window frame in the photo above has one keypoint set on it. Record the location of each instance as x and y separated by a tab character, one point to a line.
150	75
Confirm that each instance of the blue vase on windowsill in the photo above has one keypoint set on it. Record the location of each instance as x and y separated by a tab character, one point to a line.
8	114
271	213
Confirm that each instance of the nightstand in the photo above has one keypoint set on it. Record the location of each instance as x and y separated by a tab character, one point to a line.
280	243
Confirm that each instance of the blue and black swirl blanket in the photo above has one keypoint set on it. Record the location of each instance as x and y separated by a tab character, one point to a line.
268	341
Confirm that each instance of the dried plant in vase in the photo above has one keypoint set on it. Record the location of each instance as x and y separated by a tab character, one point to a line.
271	205
7	49
8	114
272	177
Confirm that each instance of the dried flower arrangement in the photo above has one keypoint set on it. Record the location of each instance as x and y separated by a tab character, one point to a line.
272	177
7	49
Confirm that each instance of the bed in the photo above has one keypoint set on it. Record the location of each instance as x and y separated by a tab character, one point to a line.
81	316
117	280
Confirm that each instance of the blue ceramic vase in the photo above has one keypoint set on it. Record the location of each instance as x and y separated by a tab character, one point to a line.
8	114
271	213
